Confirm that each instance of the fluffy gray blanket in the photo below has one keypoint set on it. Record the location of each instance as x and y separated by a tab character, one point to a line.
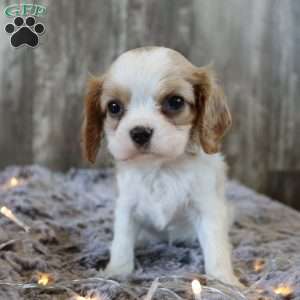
70	219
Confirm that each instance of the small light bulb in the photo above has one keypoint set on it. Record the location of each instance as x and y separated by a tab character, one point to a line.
45	278
197	289
283	290
10	215
13	182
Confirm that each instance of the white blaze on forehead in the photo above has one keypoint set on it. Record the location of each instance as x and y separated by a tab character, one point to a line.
140	71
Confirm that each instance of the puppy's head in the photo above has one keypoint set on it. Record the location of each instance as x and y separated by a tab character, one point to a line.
153	103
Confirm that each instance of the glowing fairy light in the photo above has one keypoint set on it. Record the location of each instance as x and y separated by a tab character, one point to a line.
197	289
9	214
258	265
13	182
45	279
283	290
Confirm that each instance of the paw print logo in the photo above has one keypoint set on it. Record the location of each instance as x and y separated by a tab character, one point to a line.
24	33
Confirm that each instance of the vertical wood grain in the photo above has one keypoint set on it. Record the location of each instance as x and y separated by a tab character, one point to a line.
254	46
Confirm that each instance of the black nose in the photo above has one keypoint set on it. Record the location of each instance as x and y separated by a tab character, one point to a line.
141	135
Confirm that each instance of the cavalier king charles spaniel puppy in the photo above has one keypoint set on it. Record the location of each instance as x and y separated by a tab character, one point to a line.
164	120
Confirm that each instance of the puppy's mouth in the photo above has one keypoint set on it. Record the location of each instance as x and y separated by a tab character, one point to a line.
141	154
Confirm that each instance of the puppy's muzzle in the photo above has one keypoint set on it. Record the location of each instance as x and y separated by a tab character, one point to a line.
141	135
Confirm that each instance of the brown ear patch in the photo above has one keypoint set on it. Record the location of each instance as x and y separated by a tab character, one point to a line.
92	127
214	118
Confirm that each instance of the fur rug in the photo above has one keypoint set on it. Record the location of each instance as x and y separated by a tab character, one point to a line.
70	218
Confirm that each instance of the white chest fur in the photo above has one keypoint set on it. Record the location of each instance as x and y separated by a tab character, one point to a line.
158	195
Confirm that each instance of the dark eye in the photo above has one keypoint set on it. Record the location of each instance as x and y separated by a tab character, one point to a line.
115	108
173	104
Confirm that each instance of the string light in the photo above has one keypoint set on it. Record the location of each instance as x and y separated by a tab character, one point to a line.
9	214
45	278
283	290
197	289
13	182
129	289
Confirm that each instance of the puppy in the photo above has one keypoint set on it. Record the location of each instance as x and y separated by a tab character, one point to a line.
164	119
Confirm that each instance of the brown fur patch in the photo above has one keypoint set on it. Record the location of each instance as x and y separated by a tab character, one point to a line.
92	127
214	118
175	86
178	86
113	91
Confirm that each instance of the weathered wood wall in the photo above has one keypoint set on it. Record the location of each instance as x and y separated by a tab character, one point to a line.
254	45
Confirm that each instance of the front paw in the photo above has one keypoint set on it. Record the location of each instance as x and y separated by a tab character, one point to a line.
117	270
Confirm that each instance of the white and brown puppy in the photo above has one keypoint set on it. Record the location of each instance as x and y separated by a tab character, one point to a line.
164	119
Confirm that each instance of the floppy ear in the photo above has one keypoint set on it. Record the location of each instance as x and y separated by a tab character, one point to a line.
91	132
214	118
